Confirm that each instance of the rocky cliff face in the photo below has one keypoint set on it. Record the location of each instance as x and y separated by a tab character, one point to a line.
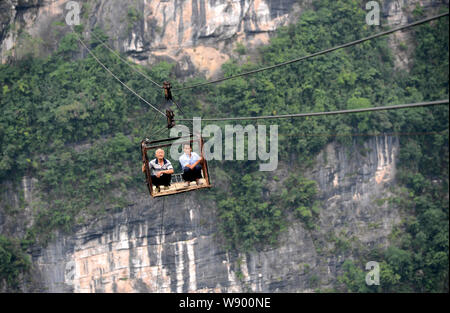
197	35
400	12
171	245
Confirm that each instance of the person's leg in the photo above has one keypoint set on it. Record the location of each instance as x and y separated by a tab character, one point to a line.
187	174
156	181
197	172
165	179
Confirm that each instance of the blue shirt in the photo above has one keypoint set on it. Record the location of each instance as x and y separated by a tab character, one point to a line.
185	159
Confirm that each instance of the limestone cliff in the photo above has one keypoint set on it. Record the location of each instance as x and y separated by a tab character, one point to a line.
198	35
399	12
170	245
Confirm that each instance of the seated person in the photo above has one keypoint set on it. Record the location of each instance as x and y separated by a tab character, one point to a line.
161	170
191	165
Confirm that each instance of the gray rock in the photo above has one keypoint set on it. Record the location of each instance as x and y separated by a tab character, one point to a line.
171	245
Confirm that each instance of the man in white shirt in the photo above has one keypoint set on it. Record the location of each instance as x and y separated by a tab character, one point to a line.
161	170
191	165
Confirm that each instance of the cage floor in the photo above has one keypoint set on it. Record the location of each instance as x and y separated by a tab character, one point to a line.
179	187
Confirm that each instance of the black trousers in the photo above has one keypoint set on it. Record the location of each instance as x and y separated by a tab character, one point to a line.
163	179
192	174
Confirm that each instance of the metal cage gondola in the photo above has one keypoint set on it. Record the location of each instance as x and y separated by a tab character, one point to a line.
177	185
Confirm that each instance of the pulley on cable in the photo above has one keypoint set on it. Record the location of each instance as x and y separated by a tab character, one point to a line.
169	113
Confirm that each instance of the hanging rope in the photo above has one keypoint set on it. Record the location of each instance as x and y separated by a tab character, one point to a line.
159	131
182	112
112	74
125	61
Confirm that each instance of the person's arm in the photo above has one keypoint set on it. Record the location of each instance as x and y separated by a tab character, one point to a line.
197	162
164	172
169	169
143	166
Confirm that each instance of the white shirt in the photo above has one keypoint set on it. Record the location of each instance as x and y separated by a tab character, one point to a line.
185	159
155	167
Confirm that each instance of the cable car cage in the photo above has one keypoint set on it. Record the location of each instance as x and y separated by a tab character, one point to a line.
177	184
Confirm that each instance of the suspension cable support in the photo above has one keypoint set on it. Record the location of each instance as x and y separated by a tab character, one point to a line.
170	118
167	92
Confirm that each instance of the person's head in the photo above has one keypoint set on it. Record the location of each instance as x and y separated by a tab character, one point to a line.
159	154
187	149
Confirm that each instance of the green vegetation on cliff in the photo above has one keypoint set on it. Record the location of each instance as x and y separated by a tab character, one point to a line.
66	122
